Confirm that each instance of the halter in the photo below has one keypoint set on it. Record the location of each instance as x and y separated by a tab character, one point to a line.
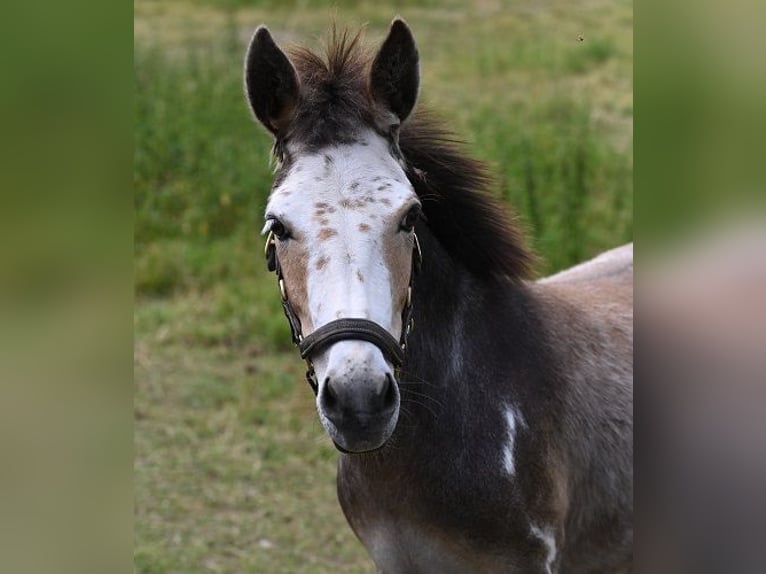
345	329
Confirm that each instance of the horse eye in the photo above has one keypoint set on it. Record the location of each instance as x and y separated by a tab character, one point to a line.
409	221
279	230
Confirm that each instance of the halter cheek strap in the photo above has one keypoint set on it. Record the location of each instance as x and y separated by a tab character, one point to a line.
345	329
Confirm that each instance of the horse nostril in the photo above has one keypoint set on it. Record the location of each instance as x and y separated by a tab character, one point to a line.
388	392
329	396
336	398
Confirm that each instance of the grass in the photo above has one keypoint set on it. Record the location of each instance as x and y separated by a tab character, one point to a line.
233	472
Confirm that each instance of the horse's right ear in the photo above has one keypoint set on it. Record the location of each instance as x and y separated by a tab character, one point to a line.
271	83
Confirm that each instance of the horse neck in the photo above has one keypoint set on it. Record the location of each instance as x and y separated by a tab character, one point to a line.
467	331
443	294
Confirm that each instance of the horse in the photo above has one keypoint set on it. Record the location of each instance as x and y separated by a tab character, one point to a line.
483	418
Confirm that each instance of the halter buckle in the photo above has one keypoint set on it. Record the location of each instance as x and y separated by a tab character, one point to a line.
282	290
311	377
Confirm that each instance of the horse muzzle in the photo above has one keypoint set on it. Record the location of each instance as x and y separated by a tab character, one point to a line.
359	410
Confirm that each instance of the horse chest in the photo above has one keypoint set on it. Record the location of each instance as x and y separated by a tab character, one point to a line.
401	546
406	529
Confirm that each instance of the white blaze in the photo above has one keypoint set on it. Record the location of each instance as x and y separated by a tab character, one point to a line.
341	202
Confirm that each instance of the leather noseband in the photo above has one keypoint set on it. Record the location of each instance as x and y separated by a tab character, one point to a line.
358	329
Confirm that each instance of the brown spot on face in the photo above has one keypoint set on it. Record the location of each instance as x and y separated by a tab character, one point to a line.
294	260
321	262
354	185
324	222
385	201
397	251
383	187
363	227
330	209
369	199
359	276
325	233
320	205
352	204
319	213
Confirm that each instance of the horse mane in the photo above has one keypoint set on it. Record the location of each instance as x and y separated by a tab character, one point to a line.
472	225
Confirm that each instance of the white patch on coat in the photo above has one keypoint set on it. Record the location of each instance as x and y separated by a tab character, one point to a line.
513	421
548	538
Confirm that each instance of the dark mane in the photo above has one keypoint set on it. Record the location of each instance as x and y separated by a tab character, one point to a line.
474	227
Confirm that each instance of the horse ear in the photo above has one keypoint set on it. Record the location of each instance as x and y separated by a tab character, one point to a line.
395	73
271	83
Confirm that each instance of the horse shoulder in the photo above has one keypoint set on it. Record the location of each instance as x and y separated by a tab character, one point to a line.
592	300
613	265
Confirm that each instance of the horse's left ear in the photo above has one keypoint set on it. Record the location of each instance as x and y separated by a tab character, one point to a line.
395	73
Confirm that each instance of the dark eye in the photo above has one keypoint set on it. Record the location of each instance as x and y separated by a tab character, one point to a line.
279	230
409	220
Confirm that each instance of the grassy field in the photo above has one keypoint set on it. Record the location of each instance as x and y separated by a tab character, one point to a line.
232	470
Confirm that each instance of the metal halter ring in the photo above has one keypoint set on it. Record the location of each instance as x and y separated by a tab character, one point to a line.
269	243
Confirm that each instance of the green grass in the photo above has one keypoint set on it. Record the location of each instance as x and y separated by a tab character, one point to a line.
233	472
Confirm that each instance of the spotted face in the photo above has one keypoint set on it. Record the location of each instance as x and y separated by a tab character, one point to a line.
343	217
342	211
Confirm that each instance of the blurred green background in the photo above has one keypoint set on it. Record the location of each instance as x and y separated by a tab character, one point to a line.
232	470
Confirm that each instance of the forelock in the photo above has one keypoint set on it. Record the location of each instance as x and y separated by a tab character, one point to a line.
335	102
